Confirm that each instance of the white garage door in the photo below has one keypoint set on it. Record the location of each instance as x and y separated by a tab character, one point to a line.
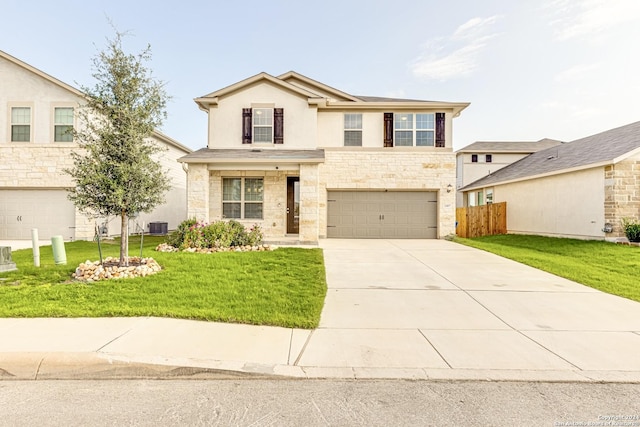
382	214
47	210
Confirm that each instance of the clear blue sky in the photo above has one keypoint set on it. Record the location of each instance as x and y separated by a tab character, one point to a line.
561	69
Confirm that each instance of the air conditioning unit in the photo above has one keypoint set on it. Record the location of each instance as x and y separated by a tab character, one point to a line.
158	228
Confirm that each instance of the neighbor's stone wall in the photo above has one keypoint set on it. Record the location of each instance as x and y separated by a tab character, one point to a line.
36	165
409	168
622	193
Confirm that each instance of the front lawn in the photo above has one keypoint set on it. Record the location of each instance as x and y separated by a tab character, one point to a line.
285	287
601	265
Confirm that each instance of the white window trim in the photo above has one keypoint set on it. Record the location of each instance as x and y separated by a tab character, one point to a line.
345	130
53	120
12	105
242	201
254	126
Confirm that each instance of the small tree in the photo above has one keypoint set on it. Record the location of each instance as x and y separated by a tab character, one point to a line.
115	173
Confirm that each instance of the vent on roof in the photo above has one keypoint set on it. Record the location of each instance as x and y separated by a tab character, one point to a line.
256	151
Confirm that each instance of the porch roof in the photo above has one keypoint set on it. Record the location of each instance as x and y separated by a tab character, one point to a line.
253	155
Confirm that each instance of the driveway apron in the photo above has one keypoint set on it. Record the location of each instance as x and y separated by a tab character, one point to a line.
437	305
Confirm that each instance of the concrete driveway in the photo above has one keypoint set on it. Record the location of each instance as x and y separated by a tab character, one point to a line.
441	306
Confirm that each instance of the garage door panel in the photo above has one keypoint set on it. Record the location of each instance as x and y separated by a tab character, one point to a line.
50	211
382	214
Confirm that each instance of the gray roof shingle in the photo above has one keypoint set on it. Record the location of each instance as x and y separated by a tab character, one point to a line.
509	146
595	149
208	155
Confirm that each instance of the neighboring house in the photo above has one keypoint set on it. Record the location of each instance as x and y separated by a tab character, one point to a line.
36	110
483	158
306	161
580	189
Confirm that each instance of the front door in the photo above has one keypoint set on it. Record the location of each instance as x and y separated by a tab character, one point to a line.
293	205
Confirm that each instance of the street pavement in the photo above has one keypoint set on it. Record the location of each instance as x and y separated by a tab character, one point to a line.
411	309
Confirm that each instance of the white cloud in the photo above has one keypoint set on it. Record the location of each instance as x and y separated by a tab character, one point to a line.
444	58
579	72
591	20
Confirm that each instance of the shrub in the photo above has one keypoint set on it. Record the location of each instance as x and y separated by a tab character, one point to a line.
219	234
631	229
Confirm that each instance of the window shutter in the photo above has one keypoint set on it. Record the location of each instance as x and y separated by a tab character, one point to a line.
246	125
388	129
278	125
440	139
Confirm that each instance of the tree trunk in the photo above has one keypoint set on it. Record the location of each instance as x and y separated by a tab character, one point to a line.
124	239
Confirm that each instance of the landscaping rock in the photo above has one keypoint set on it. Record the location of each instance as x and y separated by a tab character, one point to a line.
94	271
164	247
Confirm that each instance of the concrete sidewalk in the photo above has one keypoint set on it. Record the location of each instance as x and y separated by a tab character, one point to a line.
416	309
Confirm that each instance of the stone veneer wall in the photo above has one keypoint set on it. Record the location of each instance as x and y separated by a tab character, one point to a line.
622	193
274	220
395	168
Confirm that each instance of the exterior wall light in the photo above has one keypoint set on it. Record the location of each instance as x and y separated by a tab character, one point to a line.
449	188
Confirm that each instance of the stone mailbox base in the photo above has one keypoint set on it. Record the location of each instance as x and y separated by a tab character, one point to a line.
6	264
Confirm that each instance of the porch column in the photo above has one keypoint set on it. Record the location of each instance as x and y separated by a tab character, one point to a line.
309	203
198	192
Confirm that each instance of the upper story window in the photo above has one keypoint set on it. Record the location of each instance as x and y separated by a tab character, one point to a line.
242	198
474	158
63	124
353	130
263	125
414	130
488	158
20	124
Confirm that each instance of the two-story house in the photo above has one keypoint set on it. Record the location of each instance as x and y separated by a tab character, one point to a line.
302	159
483	158
36	113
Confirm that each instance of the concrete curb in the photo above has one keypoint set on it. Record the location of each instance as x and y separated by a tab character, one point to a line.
89	366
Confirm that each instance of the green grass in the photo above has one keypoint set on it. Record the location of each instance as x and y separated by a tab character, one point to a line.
285	287
601	265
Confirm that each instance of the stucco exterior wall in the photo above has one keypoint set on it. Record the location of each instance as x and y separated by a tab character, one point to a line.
300	124
331	128
566	205
398	168
622	193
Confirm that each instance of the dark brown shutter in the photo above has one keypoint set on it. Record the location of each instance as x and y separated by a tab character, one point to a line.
388	129
440	139
278	125
246	125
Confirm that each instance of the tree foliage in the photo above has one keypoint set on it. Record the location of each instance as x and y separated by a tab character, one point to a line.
115	173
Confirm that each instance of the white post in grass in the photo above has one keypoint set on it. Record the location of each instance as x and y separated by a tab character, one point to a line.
36	247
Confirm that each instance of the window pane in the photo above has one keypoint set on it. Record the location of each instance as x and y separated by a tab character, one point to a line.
262	117
253	189
262	134
353	138
231	189
404	138
424	138
425	121
21	115
403	121
353	121
63	133
231	210
253	210
20	133
63	116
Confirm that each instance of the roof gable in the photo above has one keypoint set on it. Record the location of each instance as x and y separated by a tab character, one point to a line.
213	97
315	86
603	148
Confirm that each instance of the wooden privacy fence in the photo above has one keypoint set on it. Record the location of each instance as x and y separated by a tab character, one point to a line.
485	220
